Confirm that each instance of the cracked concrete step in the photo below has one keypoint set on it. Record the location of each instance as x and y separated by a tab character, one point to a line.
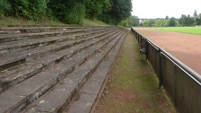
87	97
13	76
14	37
22	56
10	60
8	30
59	96
21	45
45	34
37	85
29	90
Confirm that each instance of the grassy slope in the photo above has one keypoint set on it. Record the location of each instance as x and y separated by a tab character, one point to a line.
189	30
95	22
132	85
11	21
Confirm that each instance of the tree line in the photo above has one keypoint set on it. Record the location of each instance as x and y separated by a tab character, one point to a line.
184	20
68	11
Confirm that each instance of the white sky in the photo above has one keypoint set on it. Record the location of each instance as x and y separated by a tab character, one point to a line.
162	8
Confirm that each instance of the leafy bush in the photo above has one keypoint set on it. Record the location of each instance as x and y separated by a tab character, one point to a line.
30	9
68	11
5	7
94	8
124	23
118	11
75	14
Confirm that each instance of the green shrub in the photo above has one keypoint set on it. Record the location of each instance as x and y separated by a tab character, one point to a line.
75	14
5	7
68	11
94	8
30	9
124	23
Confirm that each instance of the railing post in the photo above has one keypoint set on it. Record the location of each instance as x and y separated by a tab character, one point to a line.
175	83
160	76
155	66
146	49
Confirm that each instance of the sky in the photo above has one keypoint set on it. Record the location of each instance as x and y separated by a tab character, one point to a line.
163	8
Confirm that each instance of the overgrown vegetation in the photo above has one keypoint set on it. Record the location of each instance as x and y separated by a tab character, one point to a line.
5	7
12	21
68	11
93	22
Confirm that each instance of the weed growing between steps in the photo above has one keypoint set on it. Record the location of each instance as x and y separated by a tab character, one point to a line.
132	86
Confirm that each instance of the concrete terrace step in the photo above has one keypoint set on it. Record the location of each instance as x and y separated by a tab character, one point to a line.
24	36
17	30
21	45
9	30
20	57
54	100
90	93
34	87
46	78
14	37
18	74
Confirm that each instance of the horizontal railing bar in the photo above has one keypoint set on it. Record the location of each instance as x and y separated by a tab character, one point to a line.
181	68
153	45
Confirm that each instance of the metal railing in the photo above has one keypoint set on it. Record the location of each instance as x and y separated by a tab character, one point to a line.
182	84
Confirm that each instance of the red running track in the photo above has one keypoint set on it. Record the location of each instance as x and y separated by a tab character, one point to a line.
185	47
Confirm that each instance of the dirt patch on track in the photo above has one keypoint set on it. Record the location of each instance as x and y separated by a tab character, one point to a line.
185	47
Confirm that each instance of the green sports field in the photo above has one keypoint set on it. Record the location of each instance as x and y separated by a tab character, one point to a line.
189	30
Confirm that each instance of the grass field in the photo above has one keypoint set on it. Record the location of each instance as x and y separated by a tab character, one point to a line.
189	30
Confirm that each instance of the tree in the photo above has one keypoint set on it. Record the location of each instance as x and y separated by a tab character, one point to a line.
199	19
161	23
120	10
30	9
149	23
172	22
5	7
195	14
195	17
183	20
134	21
190	20
186	20
94	8
68	11
167	18
125	22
